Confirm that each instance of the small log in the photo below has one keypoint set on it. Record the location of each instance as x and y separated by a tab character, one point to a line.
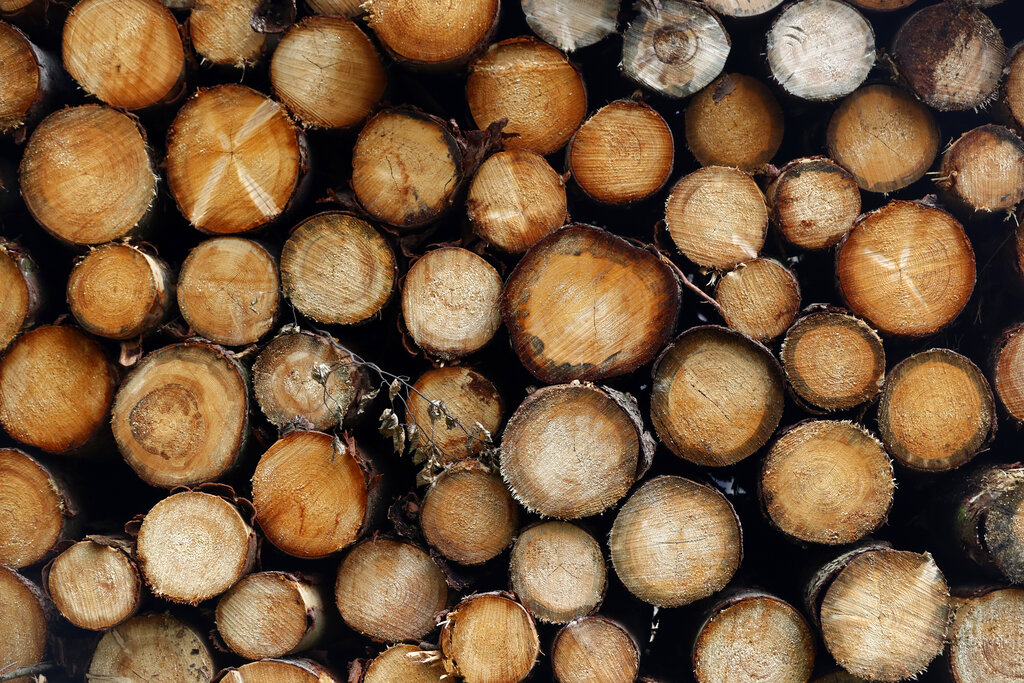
450	302
491	638
181	416
34	507
584	304
221	33
228	290
985	512
515	199
271	614
327	72
571	24
570	451
833	360
759	298
281	671
717	396
717	217
820	50
430	163
595	650
308	525
674	47
469	397
403	662
337	8
827	482
907	268
56	386
983	171
151	648
936	411
193	546
1012	91
622	154
119	291
884	613
318	263
957	72
468	514
557	571
23	294
390	590
86	175
95	584
286	385
431	35
28	79
753	134
753	636
531	85
813	202
884	137
742	8
235	161
986	639
675	541
24	623
1008	371
131	69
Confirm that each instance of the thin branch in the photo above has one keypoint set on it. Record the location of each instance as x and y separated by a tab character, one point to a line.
41	667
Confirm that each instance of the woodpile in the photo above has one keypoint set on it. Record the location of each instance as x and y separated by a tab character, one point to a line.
588	341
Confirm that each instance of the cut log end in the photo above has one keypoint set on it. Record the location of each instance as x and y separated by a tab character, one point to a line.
33	508
22	294
570	451
1002	533
23	622
936	411
534	87
717	396
717	217
984	170
281	671
814	202
827	482
221	32
622	154
86	175
833	360
152	647
760	298
22	79
986	640
1008	377
469	397
755	123
403	662
594	650
489	637
884	137
1013	84
390	590
180	418
674	48
742	8
94	585
907	268
427	34
571	24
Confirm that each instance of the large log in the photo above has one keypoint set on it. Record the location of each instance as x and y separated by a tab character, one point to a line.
150	648
431	35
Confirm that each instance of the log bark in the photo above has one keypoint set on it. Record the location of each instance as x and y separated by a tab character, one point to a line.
35	507
759	298
986	639
813	202
119	291
133	69
827	482
884	137
23	295
1012	91
675	541
622	154
281	671
584	304
489	637
717	217
150	648
557	571
228	290
24	622
595	650
433	36
571	24
753	134
468	514
516	199
402	662
717	396
29	79
531	85
833	360
936	411
1008	372
221	33
56	386
674	48
181	416
983	171
306	525
86	175
469	397
907	268
271	614
985	512
960	71
327	72
235	161
390	590
95	583
337	8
